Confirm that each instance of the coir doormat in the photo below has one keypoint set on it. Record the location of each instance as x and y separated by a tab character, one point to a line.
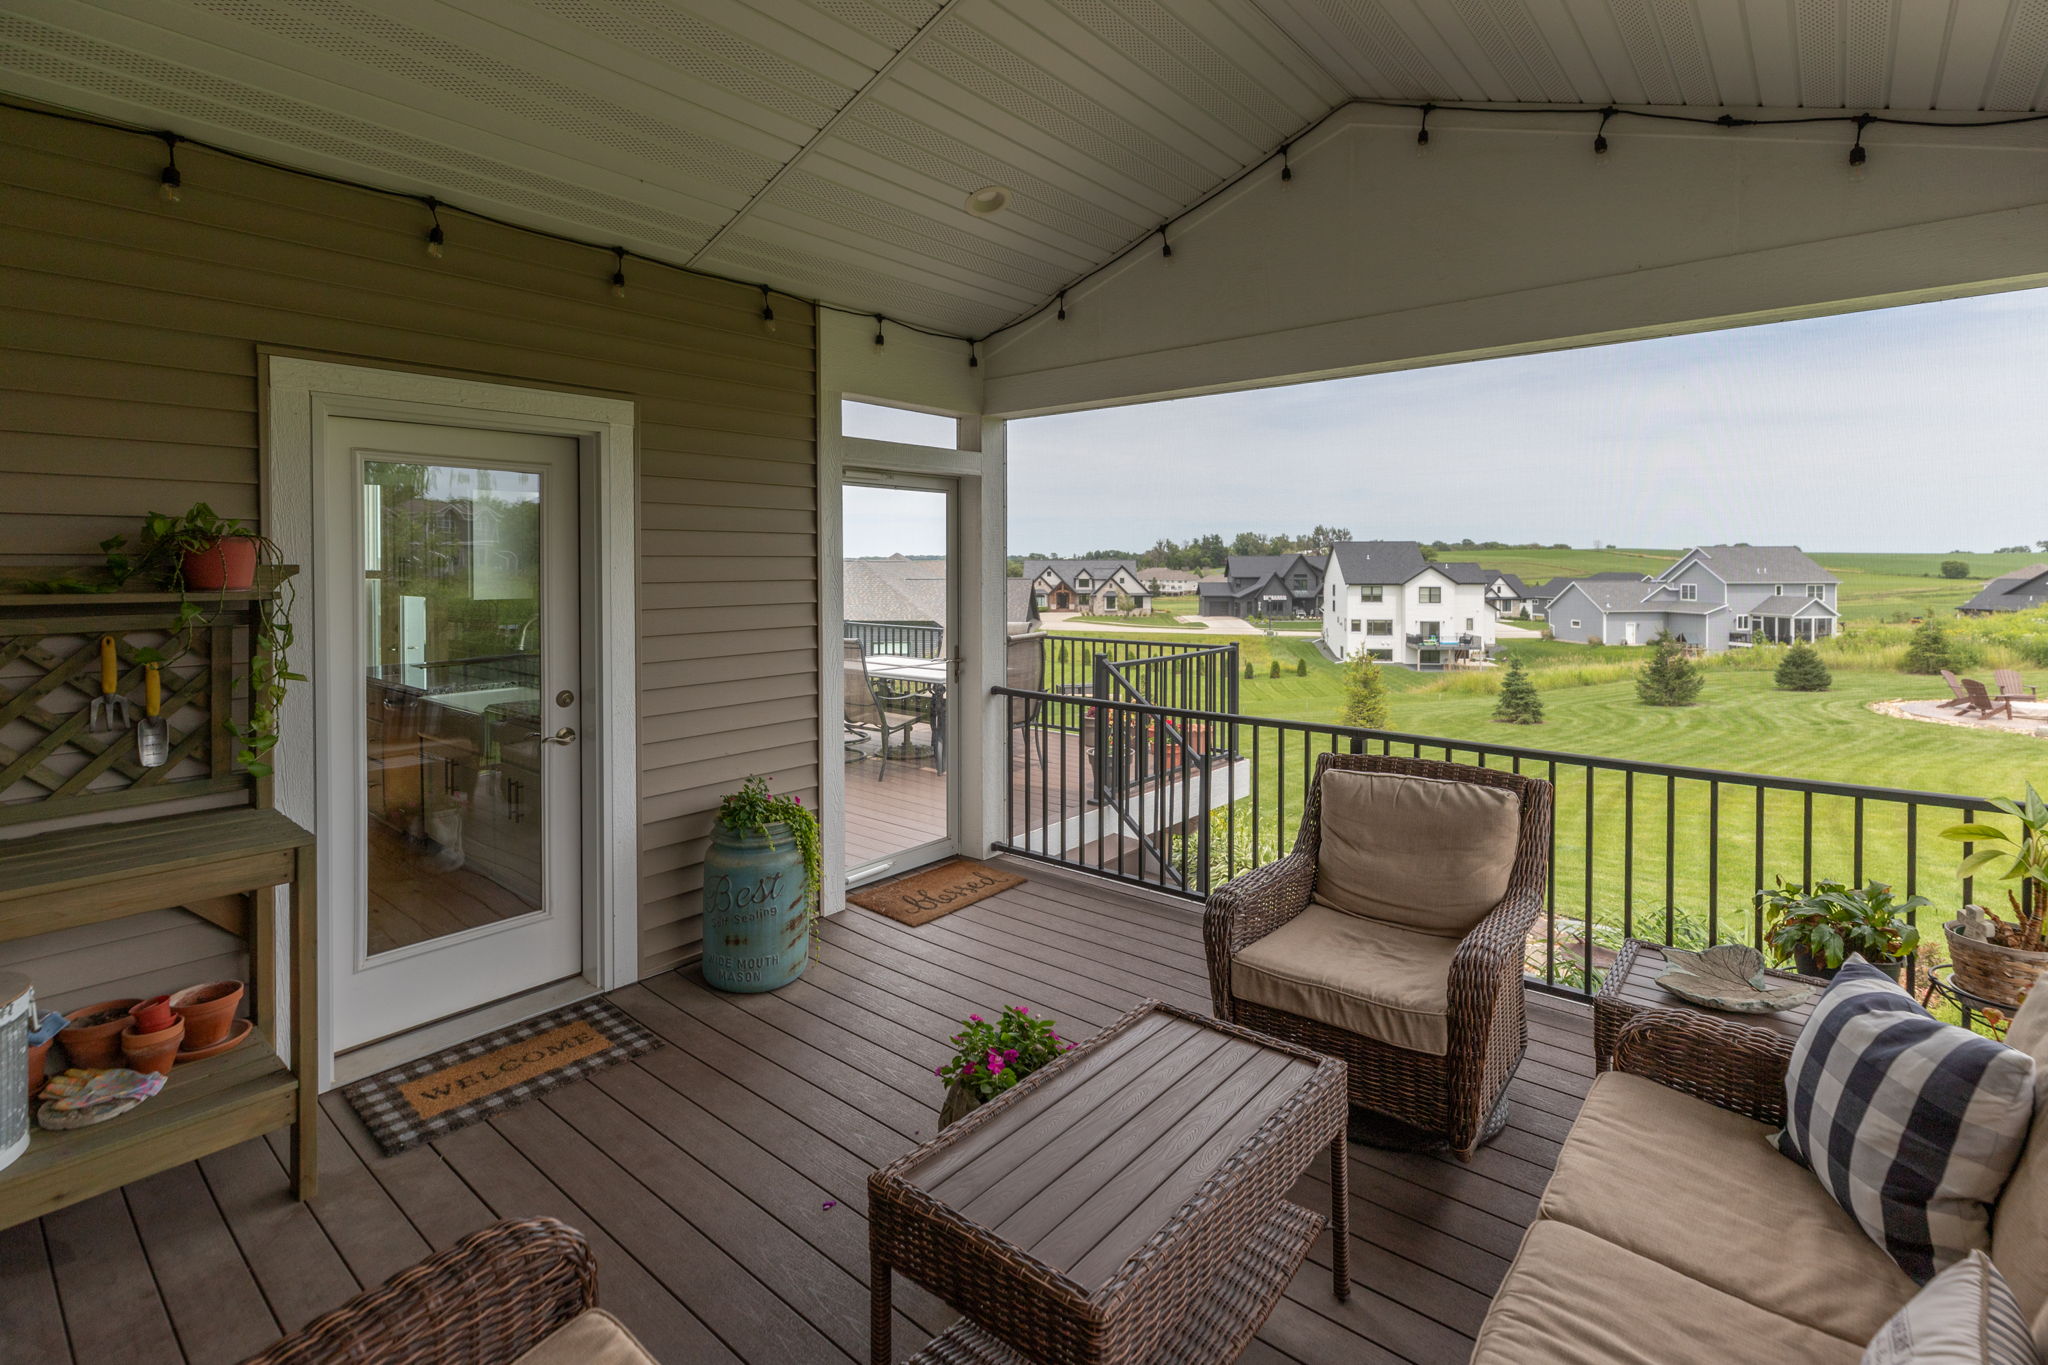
921	897
422	1100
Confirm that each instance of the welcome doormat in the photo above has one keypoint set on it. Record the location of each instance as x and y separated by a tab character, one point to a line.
921	897
466	1084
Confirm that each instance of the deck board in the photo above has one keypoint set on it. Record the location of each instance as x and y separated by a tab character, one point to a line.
722	1178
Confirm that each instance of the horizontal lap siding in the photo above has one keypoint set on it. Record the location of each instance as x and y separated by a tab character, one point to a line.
129	332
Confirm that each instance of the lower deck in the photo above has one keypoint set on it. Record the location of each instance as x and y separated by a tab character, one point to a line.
721	1178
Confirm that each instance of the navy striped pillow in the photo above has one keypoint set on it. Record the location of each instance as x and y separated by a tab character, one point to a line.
1911	1124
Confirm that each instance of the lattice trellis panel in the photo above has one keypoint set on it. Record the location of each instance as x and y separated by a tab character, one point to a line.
53	763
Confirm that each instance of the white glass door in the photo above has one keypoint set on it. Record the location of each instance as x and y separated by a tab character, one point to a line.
899	662
467	883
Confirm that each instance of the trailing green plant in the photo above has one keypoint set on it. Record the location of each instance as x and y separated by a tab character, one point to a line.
2015	855
1831	920
993	1056
1801	670
754	809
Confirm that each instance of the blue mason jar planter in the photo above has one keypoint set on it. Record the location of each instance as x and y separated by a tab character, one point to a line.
756	910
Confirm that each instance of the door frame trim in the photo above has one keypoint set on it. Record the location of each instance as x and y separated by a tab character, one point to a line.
300	394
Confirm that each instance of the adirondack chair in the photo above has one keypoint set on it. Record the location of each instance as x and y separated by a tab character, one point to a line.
1982	702
2011	688
1955	685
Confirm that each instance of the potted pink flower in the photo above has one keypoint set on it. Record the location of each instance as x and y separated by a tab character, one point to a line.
993	1056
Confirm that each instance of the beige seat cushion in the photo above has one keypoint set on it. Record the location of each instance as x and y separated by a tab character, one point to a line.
1356	974
1701	1190
1416	851
2019	1222
1573	1299
593	1337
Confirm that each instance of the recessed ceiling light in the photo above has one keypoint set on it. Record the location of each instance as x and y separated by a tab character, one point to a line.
987	200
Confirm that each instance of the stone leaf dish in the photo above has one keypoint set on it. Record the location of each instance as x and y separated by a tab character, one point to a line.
1729	976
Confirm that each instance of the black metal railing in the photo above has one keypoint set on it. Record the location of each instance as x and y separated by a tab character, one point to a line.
1182	801
1163	672
921	641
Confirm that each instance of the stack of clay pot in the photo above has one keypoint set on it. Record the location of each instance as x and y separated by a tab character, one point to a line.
156	1034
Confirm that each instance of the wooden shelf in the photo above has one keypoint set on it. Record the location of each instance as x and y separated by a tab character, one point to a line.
203	1107
269	577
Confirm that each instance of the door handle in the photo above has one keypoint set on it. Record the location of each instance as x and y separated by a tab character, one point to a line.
562	736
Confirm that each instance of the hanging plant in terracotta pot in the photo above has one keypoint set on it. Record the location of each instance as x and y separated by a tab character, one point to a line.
206	552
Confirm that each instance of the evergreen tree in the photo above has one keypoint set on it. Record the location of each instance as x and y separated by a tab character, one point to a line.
1519	704
1301	668
1801	670
1274	671
1248	668
1365	695
1929	651
1669	678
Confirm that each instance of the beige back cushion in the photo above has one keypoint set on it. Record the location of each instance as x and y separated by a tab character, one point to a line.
1421	852
2019	1224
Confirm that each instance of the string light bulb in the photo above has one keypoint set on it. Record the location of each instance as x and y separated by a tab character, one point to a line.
169	183
618	272
879	338
435	237
1062	314
1286	166
1857	156
1422	132
1165	247
973	358
1600	137
767	311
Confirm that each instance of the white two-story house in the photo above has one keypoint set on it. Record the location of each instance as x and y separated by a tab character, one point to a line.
1384	599
1714	596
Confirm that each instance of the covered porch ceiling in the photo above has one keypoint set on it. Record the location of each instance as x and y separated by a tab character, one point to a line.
826	147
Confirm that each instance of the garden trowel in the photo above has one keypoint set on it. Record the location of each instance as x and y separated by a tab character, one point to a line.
152	735
109	709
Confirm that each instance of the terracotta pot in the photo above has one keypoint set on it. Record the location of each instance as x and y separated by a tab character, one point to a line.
37	1055
229	565
94	1038
208	1011
153	1015
156	1052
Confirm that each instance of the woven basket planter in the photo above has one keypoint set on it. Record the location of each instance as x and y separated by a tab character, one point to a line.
1992	971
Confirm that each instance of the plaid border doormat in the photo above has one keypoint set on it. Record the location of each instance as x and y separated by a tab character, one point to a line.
422	1100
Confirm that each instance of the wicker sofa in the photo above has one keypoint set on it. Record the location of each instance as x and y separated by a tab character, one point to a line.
1673	1232
520	1292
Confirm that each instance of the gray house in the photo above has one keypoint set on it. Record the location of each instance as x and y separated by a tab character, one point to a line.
2015	591
1541	596
1267	585
1714	596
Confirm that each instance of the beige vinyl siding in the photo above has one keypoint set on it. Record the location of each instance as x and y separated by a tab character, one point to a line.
129	361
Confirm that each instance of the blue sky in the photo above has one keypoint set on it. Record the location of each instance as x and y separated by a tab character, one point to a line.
1922	428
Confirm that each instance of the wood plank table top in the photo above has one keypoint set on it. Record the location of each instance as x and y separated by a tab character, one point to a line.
1631	987
1139	1166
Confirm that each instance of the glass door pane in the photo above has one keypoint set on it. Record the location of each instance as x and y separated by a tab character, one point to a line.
452	625
896	664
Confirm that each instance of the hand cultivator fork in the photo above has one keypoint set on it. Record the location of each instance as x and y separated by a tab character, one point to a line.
109	709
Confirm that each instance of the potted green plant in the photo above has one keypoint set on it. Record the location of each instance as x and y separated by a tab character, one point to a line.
762	878
1998	959
202	551
1816	929
993	1056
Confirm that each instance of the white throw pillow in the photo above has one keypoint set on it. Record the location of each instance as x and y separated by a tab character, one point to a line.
1965	1316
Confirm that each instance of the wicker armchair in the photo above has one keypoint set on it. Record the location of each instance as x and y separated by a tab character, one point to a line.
487	1300
1457	1099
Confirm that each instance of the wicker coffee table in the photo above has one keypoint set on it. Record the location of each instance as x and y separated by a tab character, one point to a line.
1126	1203
1631	987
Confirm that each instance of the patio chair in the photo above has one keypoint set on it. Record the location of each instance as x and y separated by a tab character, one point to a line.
867	711
1024	669
1392	937
2011	688
527	1284
1982	702
1955	685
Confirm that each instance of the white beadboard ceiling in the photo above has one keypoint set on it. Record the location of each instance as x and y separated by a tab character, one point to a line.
825	146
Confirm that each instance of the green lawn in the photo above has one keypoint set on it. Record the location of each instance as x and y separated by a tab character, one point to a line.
1159	620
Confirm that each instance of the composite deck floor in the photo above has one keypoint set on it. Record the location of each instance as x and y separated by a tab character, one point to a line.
721	1178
